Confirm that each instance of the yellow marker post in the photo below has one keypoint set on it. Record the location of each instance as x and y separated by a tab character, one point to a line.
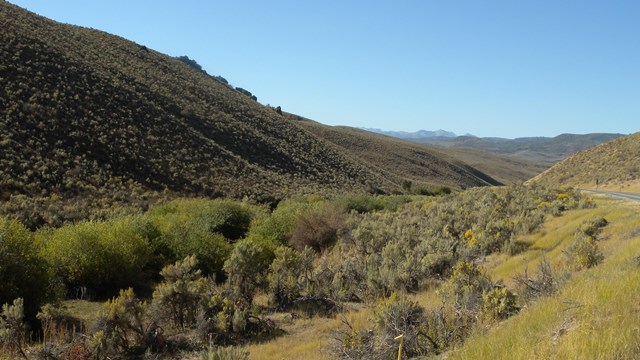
399	337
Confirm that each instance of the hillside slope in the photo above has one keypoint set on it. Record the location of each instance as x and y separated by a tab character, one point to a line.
537	149
100	120
612	165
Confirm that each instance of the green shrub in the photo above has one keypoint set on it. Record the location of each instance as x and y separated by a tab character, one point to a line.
216	324
121	327
176	299
227	217
593	227
350	343
211	249
584	252
12	327
102	256
362	203
442	190
544	283
284	274
23	272
279	225
224	321
246	268
368	203
421	190
398	316
393	316
318	227
200	227
499	303
54	319
465	288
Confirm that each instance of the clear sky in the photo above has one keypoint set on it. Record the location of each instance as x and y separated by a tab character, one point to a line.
491	68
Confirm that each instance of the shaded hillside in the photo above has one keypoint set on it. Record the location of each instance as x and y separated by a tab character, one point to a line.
613	164
100	120
400	158
537	149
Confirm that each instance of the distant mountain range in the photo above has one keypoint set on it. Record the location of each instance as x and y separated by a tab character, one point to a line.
420	134
545	150
540	149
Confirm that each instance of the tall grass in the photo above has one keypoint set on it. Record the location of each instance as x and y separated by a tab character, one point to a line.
595	315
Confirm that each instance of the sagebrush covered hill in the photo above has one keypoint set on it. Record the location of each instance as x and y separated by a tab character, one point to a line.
93	117
613	165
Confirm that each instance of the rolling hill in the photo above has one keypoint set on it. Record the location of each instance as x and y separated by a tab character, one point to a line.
391	153
506	169
91	121
537	149
612	165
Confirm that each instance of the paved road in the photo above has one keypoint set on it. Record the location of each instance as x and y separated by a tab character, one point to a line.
620	195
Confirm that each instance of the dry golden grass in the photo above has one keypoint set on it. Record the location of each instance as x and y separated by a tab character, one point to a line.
308	339
595	315
84	310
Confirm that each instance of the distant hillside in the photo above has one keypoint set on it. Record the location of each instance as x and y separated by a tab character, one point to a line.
614	165
399	158
91	120
501	168
420	134
537	149
505	169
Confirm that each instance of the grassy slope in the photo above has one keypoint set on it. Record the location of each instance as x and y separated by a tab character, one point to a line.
88	115
614	163
595	315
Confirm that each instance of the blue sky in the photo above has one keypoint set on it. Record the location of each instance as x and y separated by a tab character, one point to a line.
490	68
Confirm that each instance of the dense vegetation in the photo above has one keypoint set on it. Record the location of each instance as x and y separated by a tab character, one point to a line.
201	264
92	122
611	165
